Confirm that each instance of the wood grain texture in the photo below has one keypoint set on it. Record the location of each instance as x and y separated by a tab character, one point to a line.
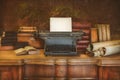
40	67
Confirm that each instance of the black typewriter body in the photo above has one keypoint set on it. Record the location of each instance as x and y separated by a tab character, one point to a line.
60	43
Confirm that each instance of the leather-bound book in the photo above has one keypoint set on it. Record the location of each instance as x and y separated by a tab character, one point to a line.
25	34
85	37
100	34
108	32
78	25
85	27
9	39
82	46
83	42
7	44
104	36
9	33
27	29
86	31
94	35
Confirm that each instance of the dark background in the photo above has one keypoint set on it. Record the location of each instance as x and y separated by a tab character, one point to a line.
16	13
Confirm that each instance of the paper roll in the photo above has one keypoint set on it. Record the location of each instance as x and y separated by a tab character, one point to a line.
106	51
110	50
95	46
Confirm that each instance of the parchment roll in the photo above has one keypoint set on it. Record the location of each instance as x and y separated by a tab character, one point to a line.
95	46
109	50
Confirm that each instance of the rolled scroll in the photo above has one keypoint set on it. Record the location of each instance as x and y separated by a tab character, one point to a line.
109	50
95	46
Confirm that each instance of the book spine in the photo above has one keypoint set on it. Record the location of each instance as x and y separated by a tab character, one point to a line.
87	37
9	38
103	32
82	42
25	35
94	35
28	31
108	32
29	28
100	32
7	44
104	38
23	38
78	25
9	34
85	27
80	47
86	31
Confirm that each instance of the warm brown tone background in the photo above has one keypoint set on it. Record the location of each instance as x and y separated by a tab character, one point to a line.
16	13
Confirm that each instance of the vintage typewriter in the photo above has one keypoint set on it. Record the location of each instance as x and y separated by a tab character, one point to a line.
60	40
60	43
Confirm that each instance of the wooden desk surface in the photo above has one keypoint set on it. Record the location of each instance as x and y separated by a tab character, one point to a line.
10	55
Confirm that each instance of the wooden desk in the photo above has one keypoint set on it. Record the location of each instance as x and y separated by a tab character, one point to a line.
41	67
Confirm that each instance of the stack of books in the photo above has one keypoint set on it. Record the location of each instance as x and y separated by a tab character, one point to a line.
25	33
9	38
27	29
103	32
85	27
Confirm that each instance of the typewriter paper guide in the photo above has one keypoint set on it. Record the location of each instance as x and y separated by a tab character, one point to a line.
58	24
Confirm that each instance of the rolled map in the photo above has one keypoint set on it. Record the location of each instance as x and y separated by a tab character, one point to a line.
106	51
95	46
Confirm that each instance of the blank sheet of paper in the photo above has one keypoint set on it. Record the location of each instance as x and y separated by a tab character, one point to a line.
60	24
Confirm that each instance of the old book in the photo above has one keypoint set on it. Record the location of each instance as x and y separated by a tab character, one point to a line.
85	37
100	32
81	25
27	29
25	34
82	46
7	44
108	32
103	32
9	34
104	37
94	35
21	51
23	38
8	40
85	27
86	31
82	42
26	50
